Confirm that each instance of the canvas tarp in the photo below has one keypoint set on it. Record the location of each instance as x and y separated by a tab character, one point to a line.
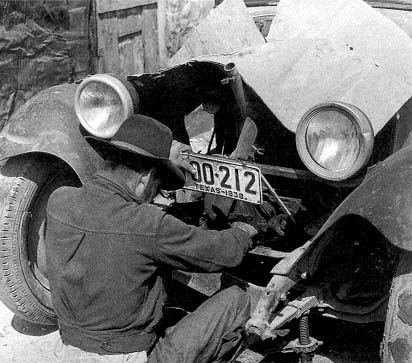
42	43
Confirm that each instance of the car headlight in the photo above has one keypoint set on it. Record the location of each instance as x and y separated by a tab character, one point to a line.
334	140
103	102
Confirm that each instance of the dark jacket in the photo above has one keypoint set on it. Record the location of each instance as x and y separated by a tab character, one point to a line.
103	254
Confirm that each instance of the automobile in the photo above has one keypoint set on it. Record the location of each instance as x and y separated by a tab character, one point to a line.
330	179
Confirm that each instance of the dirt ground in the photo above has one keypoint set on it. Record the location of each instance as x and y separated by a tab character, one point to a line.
19	348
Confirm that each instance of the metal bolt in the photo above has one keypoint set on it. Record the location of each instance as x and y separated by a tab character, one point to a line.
304	275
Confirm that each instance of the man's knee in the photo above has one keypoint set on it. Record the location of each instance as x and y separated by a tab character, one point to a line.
214	326
234	298
235	293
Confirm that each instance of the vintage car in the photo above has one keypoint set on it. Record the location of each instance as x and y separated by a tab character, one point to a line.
328	170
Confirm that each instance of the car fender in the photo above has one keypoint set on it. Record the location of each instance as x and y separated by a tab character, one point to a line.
48	123
384	198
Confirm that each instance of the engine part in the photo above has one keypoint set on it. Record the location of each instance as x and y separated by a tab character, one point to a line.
304	338
293	310
278	200
237	87
278	223
305	345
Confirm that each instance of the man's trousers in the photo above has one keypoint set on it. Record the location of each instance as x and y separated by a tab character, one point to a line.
210	334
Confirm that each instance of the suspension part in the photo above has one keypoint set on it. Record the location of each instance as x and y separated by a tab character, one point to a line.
304	338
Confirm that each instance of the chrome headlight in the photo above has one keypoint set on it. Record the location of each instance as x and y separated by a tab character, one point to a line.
334	140
103	102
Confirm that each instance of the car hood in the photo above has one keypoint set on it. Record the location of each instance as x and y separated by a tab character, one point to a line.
317	52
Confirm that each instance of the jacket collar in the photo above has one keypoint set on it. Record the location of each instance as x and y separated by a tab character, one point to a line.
107	182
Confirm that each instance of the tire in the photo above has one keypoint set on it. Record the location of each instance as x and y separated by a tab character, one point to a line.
397	340
26	183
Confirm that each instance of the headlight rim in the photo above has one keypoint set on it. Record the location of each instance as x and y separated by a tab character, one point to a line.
364	130
127	94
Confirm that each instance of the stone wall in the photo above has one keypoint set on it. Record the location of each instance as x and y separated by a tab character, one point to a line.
42	43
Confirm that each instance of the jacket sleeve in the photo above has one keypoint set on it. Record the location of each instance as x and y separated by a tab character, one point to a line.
190	248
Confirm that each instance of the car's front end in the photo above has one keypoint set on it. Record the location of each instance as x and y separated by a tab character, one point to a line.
330	162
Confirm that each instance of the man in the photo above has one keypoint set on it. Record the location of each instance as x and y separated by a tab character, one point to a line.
105	245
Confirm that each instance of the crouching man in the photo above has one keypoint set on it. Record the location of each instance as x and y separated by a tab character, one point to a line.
105	244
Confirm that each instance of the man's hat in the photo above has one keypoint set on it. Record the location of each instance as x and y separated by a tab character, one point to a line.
142	136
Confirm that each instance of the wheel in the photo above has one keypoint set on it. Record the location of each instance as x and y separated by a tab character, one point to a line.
397	341
26	183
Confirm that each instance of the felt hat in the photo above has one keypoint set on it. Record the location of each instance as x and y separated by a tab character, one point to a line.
141	136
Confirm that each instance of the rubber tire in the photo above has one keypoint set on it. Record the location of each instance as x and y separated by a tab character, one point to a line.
26	182
397	340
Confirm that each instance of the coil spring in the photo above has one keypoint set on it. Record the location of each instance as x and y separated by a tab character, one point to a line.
304	338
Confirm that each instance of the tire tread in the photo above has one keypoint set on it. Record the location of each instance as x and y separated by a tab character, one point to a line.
14	290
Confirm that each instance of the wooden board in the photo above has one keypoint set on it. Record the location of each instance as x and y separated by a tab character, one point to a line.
104	6
131	55
108	45
127	36
161	25
151	38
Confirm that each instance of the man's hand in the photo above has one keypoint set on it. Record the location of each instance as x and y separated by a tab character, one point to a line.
177	158
245	213
237	213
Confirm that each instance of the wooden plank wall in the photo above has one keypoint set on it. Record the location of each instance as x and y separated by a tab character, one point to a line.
127	36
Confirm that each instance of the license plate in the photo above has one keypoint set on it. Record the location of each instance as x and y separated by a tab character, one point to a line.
226	177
